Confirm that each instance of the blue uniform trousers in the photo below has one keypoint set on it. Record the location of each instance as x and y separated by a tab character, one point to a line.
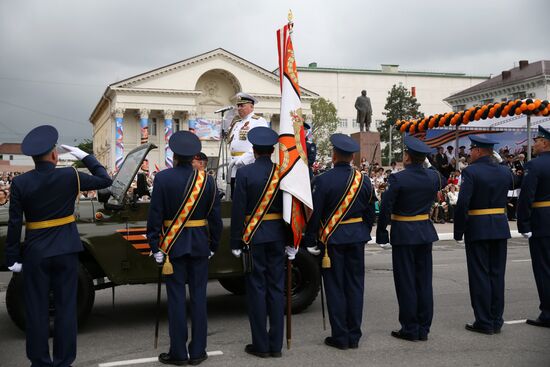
265	296
486	268
412	275
60	274
344	286
540	260
194	271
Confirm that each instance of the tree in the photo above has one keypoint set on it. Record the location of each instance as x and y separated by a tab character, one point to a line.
87	145
325	122
400	105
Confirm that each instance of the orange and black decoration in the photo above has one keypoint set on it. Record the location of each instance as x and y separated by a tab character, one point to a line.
529	107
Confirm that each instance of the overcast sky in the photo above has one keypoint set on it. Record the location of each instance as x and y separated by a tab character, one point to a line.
58	56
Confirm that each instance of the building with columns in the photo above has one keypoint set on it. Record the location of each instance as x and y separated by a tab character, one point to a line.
149	107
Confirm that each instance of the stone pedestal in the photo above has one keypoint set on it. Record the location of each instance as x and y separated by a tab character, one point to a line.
368	141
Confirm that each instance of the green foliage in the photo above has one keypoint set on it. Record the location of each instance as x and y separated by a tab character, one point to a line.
400	105
325	122
87	145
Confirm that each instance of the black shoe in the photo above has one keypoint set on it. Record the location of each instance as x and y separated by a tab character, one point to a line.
166	358
423	338
329	340
251	350
197	361
399	335
475	329
276	354
538	322
353	345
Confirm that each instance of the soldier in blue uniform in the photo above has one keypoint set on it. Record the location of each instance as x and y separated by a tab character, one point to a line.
534	220
197	241
345	195
266	243
480	217
406	204
49	256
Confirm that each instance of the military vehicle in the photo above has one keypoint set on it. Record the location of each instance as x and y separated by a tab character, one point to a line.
116	252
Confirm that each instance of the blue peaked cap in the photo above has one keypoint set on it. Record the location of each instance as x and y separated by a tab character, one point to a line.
263	136
416	146
185	143
344	143
40	140
482	142
543	133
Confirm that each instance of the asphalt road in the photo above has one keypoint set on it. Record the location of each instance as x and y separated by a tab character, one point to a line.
126	332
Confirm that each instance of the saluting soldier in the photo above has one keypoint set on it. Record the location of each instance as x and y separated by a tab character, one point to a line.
406	205
480	217
257	227
341	222
184	228
534	220
49	256
240	146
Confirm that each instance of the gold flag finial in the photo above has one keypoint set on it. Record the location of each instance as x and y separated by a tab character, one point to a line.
290	17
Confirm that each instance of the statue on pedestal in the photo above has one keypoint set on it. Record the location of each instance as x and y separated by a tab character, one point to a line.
364	111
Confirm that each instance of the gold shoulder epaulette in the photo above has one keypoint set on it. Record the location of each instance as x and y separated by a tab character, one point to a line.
255	117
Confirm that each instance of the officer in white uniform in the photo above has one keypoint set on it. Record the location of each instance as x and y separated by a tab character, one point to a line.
240	147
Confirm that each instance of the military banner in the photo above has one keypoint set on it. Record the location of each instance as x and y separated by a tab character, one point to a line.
294	172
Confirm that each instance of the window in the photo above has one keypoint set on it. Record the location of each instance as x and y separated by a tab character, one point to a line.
176	125
487	101
460	107
153	127
519	95
342	123
354	123
11	157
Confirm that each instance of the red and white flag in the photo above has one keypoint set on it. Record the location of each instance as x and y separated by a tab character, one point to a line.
295	182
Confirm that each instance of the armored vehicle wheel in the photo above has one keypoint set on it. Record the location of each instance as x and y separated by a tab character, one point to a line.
306	280
234	285
15	302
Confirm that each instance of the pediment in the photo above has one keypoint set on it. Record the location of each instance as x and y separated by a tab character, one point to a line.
183	75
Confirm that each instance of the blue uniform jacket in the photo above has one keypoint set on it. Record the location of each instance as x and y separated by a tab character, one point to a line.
485	185
48	193
411	191
249	186
169	188
328	189
535	187
311	153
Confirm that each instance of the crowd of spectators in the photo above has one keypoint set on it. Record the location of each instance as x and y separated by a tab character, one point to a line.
5	183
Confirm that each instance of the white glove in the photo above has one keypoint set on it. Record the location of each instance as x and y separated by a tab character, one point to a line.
291	252
159	257
76	152
16	267
461	242
527	235
427	163
385	246
211	254
314	250
236	253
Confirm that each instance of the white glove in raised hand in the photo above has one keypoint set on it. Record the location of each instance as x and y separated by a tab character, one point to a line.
291	252
159	257
236	253
314	250
211	254
76	152
16	267
527	235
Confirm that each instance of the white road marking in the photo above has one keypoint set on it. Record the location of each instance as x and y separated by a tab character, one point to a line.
147	360
521	261
512	322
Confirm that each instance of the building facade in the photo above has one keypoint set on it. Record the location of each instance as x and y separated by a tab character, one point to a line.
343	86
151	106
524	81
